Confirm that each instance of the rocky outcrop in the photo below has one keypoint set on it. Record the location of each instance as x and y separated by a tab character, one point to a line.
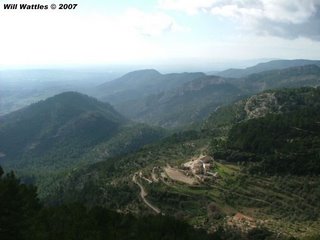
259	105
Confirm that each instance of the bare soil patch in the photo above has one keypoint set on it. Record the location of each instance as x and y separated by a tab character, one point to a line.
177	175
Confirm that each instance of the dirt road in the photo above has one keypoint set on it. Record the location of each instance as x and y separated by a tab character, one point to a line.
143	195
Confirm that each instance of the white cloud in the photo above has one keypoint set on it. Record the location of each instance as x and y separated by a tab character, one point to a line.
285	18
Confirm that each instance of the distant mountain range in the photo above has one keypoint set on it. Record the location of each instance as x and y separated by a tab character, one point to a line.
261	67
191	97
307	75
168	100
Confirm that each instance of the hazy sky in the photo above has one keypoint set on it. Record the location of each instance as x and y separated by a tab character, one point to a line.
189	32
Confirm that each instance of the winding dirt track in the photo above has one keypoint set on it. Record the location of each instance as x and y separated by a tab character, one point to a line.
143	195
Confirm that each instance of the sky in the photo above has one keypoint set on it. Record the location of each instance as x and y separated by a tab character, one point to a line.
194	34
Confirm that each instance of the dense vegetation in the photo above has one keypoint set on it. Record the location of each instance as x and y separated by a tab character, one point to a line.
109	183
66	119
283	137
286	143
23	217
288	202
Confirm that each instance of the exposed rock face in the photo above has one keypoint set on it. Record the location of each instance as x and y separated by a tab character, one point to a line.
259	105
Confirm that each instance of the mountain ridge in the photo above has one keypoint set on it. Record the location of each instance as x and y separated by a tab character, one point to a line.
140	83
266	66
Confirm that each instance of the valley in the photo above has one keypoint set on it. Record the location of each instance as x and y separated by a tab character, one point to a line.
227	156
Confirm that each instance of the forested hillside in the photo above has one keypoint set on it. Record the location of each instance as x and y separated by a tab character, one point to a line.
23	217
190	103
265	151
55	135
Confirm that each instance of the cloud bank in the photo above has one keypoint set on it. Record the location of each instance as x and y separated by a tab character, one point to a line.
283	18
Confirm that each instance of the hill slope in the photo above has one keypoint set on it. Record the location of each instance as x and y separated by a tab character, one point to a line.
187	104
279	128
66	119
54	135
